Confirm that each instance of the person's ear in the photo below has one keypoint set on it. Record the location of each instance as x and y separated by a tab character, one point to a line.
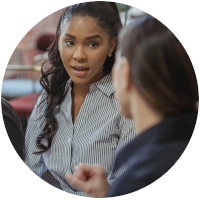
126	78
112	46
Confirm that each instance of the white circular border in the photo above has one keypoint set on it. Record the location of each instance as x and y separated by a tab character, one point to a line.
182	18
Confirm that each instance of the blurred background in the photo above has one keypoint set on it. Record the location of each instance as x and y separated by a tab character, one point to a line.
21	79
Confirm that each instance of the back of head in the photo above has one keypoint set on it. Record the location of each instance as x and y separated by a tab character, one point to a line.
160	67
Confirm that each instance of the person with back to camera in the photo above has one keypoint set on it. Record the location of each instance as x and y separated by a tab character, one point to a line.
156	86
77	118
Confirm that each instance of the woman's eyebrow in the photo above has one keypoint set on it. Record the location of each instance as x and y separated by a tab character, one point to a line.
93	37
87	38
69	35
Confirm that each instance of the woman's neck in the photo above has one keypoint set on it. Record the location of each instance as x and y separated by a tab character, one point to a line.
81	90
144	116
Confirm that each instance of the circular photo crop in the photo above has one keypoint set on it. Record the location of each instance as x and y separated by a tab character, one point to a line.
99	99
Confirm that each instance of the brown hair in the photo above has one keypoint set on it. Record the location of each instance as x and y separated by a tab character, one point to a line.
160	67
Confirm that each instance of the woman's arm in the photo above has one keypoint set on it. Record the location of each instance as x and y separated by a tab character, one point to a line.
126	134
33	161
90	179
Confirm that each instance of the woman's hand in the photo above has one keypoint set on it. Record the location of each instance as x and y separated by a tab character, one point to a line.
90	179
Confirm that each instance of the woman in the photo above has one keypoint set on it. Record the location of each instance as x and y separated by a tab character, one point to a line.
156	86
77	118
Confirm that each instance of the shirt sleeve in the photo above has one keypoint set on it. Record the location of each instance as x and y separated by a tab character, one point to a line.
127	133
33	161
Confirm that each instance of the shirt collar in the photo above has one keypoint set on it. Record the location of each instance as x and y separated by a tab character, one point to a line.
69	82
105	84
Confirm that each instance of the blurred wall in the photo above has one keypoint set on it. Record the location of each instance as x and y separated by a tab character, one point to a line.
27	48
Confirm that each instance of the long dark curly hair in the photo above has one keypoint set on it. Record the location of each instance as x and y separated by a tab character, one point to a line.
54	79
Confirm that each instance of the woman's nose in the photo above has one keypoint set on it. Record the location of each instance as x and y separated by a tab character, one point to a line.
79	54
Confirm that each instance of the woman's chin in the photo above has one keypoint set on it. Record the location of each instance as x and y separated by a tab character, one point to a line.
80	80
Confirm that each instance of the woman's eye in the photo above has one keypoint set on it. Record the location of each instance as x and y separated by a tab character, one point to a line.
69	43
93	44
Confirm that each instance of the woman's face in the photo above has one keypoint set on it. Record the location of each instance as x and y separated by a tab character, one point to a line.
84	45
121	78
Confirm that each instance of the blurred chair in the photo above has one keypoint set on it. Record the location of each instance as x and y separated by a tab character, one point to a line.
24	105
13	127
13	88
44	41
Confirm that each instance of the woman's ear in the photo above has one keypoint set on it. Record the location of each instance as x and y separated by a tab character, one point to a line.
126	78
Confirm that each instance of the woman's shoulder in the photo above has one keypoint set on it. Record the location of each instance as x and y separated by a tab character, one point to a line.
40	105
105	85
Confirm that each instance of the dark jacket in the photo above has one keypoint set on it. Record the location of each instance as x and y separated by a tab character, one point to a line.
152	153
13	127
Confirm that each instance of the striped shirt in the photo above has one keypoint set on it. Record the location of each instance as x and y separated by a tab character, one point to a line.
95	137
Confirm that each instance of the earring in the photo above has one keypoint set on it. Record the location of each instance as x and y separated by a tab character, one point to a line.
109	55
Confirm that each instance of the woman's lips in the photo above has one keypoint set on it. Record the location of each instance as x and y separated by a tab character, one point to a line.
79	70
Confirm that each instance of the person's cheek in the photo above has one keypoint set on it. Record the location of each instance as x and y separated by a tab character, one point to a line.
114	75
116	79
